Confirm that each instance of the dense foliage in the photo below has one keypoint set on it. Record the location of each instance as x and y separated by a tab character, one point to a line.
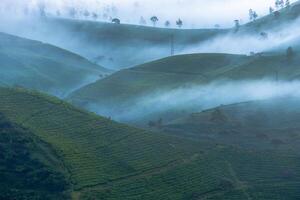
22	174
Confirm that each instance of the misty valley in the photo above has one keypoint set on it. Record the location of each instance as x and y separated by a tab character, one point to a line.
130	100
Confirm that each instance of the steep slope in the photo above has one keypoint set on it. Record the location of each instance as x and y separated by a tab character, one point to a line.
29	169
108	160
84	138
39	66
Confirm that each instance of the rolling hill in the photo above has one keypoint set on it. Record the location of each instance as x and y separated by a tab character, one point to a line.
44	67
166	73
115	46
119	46
50	149
127	91
107	160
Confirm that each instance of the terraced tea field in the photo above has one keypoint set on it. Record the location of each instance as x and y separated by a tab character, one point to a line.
107	160
50	149
89	143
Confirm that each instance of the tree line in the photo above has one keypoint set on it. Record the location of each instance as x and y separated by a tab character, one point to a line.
278	4
109	11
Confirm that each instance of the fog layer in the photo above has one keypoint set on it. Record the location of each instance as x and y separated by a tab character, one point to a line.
196	98
194	13
117	50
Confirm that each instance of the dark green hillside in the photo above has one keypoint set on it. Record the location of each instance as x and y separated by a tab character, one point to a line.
39	66
264	124
112	161
28	169
96	150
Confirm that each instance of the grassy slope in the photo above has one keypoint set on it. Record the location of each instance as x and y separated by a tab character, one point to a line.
265	67
162	74
112	161
36	65
256	124
96	150
129	45
118	92
288	16
179	71
125	33
119	46
265	23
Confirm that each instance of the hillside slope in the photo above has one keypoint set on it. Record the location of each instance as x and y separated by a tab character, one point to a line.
109	161
127	91
120	46
166	73
263	124
29	168
43	67
284	17
116	46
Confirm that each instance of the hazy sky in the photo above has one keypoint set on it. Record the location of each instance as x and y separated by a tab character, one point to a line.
205	12
193	12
